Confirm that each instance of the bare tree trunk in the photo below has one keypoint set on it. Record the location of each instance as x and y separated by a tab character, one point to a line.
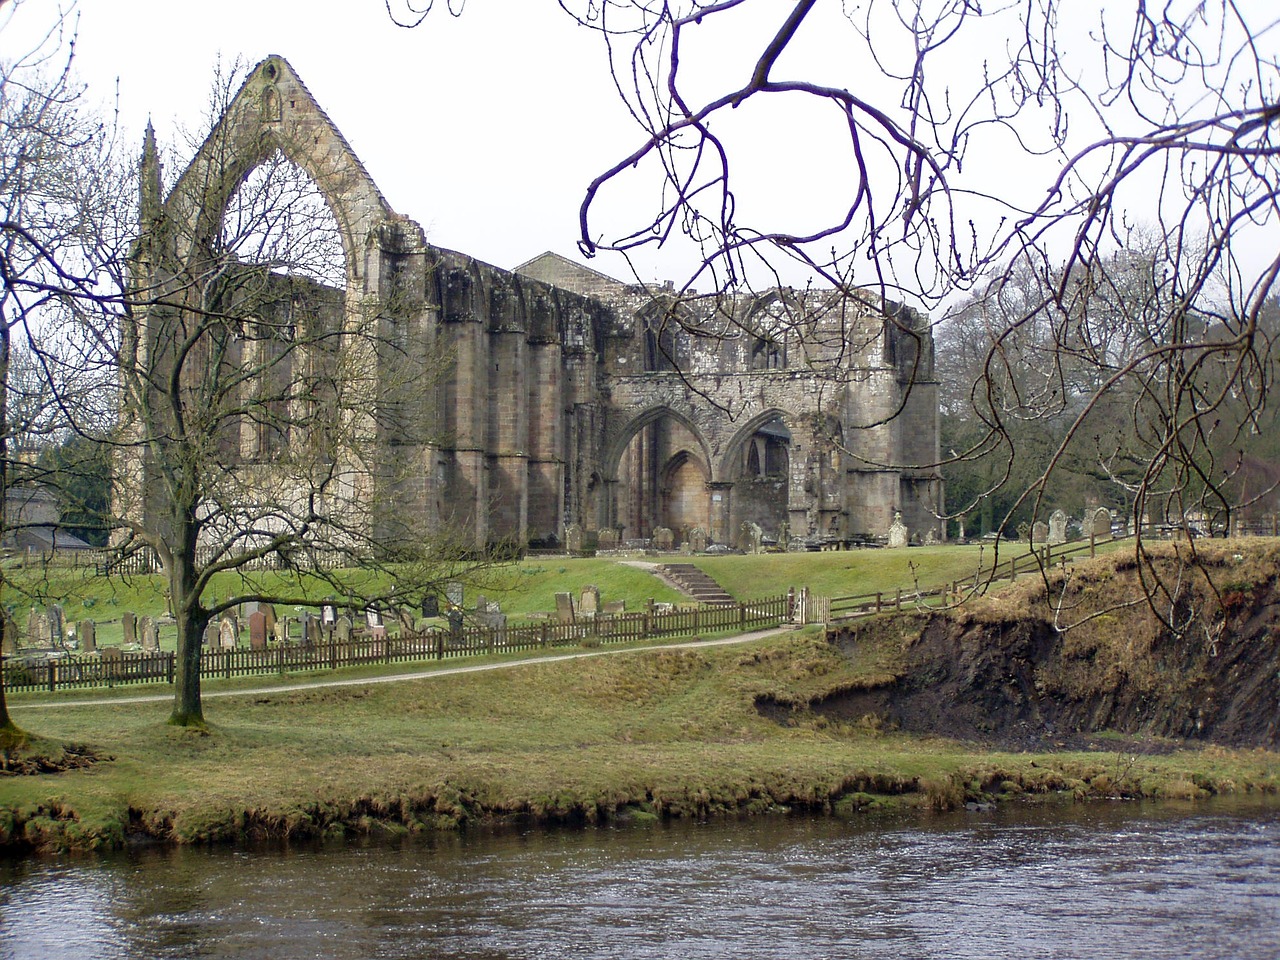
191	618
10	734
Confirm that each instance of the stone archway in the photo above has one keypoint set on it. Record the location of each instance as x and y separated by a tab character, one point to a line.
658	463
757	465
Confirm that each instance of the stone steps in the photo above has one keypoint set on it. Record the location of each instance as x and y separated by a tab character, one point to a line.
687	578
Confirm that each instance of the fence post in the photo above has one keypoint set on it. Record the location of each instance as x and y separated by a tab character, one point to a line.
171	658
879	602
542	634
226	661
897	601
53	675
697	619
1013	569
742	616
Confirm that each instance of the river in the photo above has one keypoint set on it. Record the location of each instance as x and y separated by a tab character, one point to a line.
1102	880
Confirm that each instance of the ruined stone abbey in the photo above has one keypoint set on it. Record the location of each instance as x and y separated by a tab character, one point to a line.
573	401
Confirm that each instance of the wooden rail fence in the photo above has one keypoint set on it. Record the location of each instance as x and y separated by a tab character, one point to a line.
102	669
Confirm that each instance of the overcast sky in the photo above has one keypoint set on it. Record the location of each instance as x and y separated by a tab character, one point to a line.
486	128
483	128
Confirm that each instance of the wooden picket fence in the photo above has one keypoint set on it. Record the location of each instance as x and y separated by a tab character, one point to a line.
868	604
101	669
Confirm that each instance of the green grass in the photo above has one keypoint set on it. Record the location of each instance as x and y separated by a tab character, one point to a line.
844	573
672	732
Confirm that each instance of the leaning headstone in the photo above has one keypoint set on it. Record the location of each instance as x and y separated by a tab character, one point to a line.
1101	526
1039	532
607	539
573	538
148	635
257	630
342	630
87	631
129	622
899	536
589	605
1057	528
564	607
663	538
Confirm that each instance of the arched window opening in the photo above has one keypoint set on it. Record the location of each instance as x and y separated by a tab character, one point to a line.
280	293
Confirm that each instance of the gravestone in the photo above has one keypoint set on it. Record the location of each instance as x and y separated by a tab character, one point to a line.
898	533
931	536
257	630
430	606
573	538
112	660
564	607
698	540
148	635
607	539
228	635
129	623
1057	528
313	631
663	538
453	593
9	638
56	623
40	637
305	631
1101	525
281	630
328	614
210	636
615	607
1039	532
589	605
33	628
373	617
749	537
87	631
342	630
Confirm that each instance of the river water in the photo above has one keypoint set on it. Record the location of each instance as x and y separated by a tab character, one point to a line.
1105	880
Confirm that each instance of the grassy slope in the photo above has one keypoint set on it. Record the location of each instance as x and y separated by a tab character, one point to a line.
837	574
672	732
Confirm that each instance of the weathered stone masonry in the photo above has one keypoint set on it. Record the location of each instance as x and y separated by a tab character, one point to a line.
572	398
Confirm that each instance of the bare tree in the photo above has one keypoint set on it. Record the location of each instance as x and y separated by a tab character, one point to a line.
50	150
933	148
249	387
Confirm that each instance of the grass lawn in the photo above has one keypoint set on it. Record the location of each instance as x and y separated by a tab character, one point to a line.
671	732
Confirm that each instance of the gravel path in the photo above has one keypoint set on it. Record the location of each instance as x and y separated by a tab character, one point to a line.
400	677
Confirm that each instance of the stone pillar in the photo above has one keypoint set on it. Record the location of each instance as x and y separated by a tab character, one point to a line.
720	511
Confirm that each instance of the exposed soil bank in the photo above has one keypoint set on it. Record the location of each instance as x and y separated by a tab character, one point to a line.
1052	665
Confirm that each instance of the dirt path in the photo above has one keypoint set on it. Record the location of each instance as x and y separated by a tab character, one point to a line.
401	677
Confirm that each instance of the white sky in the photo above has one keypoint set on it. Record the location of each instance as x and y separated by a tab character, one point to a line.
485	128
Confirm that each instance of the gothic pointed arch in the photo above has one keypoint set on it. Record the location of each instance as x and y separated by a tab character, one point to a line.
273	110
